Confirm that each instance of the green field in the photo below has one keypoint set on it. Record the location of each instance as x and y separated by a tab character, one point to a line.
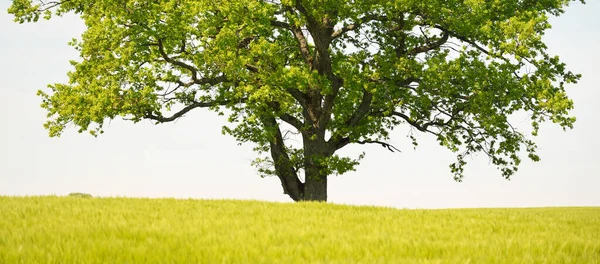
124	230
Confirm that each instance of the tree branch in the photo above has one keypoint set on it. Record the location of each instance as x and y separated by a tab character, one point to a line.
285	171
293	121
464	39
431	45
361	21
302	42
362	109
161	119
192	69
420	127
478	47
329	101
437	122
309	18
304	47
298	95
390	147
290	119
337	142
51	4
280	24
345	141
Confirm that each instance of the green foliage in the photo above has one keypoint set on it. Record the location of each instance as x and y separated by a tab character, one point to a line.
333	72
80	195
120	230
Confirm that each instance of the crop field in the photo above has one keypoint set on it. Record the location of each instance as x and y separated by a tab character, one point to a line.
52	229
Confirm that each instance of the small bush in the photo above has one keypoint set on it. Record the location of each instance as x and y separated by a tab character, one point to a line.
81	195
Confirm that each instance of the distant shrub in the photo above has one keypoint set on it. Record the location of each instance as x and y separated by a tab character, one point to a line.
82	195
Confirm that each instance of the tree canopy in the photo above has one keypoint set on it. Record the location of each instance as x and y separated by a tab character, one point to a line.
329	72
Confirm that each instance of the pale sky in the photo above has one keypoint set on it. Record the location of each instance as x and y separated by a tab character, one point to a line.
191	159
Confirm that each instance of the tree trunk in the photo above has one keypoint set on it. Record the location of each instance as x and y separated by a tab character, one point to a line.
315	187
315	176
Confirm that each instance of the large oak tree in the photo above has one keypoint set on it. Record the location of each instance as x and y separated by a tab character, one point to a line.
327	72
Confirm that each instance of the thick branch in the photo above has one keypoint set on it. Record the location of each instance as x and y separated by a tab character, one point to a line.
290	119
298	95
309	18
284	169
362	109
338	142
330	100
304	47
293	121
281	24
302	42
365	104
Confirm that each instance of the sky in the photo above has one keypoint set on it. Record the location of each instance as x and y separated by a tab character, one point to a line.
192	159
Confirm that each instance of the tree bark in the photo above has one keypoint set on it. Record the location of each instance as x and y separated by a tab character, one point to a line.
285	171
315	175
315	187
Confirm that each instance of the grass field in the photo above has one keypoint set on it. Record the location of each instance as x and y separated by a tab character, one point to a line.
123	230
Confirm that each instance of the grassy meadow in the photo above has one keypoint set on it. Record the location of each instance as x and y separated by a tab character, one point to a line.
53	229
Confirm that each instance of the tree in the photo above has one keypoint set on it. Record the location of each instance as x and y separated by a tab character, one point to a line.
328	72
